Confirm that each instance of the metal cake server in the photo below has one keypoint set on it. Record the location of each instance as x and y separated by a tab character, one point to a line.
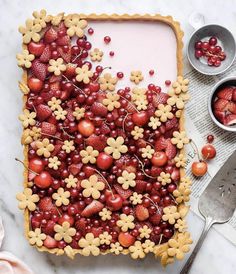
217	203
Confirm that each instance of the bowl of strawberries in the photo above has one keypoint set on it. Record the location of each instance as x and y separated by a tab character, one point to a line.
222	104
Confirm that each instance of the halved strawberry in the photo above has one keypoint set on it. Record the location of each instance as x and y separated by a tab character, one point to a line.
46	204
50	242
220	115
221	104
55	78
81	225
62	27
232	107
131	108
140	186
175	175
124	193
39	70
141	213
46	55
160	98
92	208
55	86
70	70
226	93
36	48
97	231
99	109
171	150
66	56
50	35
63	41
52	120
171	123
48	129
74	169
161	143
43	112
56	150
96	142
105	129
230	120
234	95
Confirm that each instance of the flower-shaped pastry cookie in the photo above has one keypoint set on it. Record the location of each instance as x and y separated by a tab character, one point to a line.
147	152
107	82
30	135
54	162
30	31
68	146
148	246
137	132
105	238
116	248
75	25
154	122
44	148
179	139
27	199
79	113
105	214
127	179
181	225
24	59
136	250
181	85
71	181
96	55
41	18
92	187
164	112
179	246
61	197
116	147
36	237
136	198
180	160
145	232
64	232
126	222
56	66
136	76
141	104
60	114
176	100
56	20
182	194
186	182
89	155
83	74
111	101
54	103
170	214
164	178
27	118
89	245
138	93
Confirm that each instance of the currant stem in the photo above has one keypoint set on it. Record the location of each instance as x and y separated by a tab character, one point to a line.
18	160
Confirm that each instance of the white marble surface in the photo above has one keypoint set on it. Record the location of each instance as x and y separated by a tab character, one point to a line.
217	255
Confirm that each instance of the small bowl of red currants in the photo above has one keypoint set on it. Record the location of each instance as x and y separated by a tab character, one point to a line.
222	104
211	49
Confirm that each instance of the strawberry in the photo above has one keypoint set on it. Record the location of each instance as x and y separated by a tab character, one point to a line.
36	48
66	56
99	109
63	41
56	150
234	95
171	150
39	70
97	231
105	129
92	208
171	123
49	228
160	98
70	115
230	120
131	108
226	93
43	112
124	193
50	35
141	213
70	70
50	242
140	186
175	175
46	55
74	169
96	142
220	115
48	129
155	219
47	96
130	168
74	244
55	86
55	78
232	107
221	104
62	27
52	120
81	225
100	96
161	143
46	204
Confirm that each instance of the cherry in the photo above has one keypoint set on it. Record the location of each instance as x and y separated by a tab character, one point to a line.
43	180
114	202
213	41
199	168
208	151
35	84
104	161
86	127
126	239
36	48
36	165
94	86
159	158
210	138
140	118
107	39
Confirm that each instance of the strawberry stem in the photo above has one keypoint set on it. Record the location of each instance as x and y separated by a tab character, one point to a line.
18	160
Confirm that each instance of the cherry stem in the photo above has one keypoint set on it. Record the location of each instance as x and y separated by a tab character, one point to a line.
150	144
73	84
160	239
194	146
158	210
70	136
130	103
101	72
18	160
77	56
56	137
123	123
98	172
142	165
173	199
